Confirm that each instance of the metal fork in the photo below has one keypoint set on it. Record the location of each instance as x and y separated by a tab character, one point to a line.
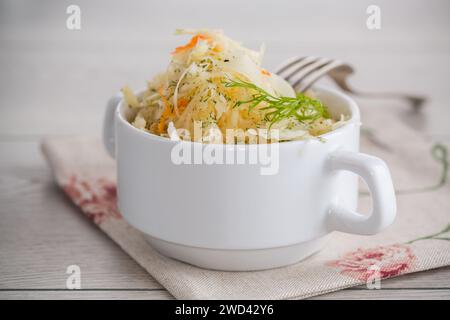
303	72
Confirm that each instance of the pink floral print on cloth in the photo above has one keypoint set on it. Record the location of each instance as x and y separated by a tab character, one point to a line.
96	198
390	261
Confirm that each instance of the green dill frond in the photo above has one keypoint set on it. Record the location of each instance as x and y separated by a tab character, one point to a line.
302	107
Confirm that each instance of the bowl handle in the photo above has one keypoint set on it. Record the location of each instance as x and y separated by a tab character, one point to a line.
377	177
109	136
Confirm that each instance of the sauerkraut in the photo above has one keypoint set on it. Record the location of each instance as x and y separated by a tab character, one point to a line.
214	85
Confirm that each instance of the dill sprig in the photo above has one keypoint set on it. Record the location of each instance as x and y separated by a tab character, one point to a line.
302	108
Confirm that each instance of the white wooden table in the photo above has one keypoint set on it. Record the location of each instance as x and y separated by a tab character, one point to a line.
55	82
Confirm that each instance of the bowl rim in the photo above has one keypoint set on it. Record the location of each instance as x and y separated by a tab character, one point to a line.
350	103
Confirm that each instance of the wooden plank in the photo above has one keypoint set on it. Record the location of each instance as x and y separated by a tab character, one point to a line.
42	233
53	110
86	294
402	294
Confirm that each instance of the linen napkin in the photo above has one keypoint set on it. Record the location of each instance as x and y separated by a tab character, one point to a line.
418	240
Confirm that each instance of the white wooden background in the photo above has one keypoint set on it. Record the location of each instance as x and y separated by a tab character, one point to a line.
54	81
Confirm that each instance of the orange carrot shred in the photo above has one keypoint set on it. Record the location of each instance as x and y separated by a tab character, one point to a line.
217	48
192	43
182	103
166	113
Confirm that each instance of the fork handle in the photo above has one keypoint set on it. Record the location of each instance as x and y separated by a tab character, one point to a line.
417	102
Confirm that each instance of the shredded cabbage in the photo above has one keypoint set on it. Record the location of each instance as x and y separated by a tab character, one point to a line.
192	91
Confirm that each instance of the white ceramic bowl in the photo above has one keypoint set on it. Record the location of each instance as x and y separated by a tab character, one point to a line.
231	217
